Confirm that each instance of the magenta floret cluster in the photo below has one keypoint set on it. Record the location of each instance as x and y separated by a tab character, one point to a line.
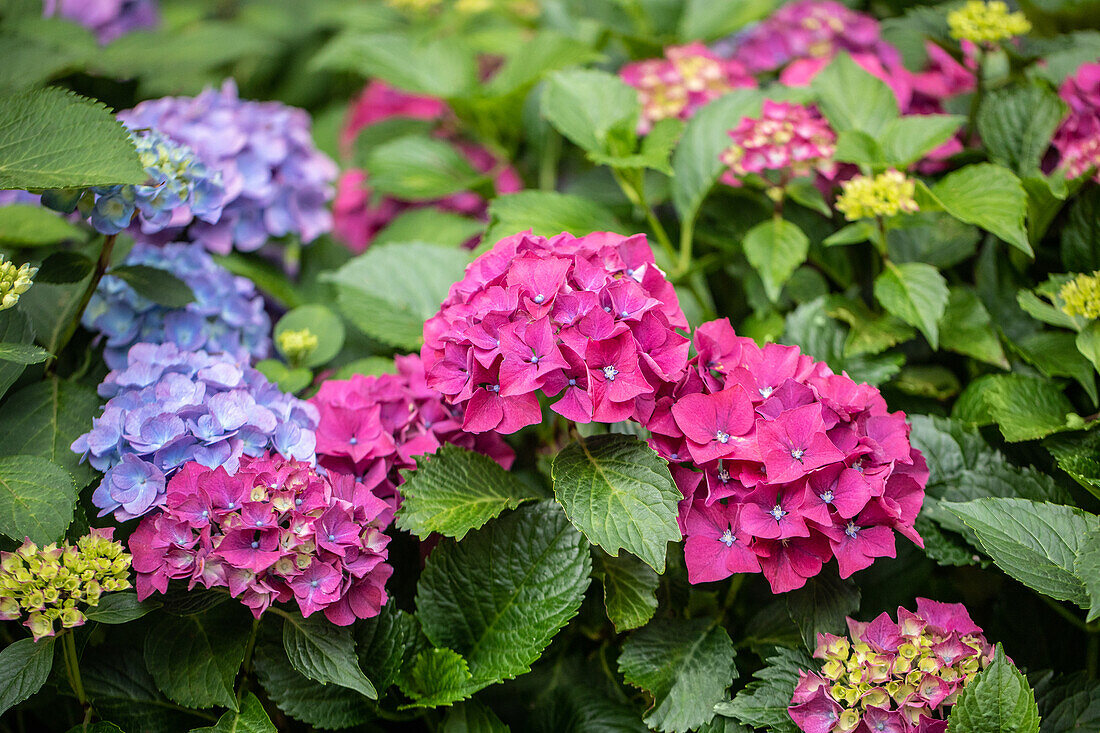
1078	139
683	81
276	181
108	19
787	140
276	530
589	319
783	464
168	407
374	426
899	677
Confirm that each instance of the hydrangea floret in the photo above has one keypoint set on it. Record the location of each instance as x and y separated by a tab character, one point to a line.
986	22
297	345
276	530
108	19
788	140
783	464
589	319
277	182
1078	137
52	584
683	81
899	676
887	194
14	281
227	313
180	189
168	407
1081	296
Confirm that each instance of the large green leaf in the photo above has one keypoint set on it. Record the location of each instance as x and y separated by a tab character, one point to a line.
764	701
251	718
501	595
987	196
617	491
1024	408
387	643
1055	354
546	51
853	99
906	140
322	323
1087	568
1081	234
439	67
821	606
418	168
1016	124
917	294
629	590
121	688
711	19
654	153
595	109
999	699
45	418
120	608
456	490
14	328
438	677
966	327
324	652
36	498
775	248
24	225
22	353
24	666
547	213
160	286
472	717
685	665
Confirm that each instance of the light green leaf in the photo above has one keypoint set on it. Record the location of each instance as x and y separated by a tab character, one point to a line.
438	677
987	196
120	608
429	224
454	491
656	148
933	237
322	323
324	652
711	19
24	667
854	146
617	491
685	665
967	328
1016	124
1055	354
439	67
22	353
288	380
854	233
764	701
546	51
1087	568
853	99
1025	408
775	248
596	110
251	718
906	140
472	717
547	213
52	138
821	606
629	590
415	168
999	699
916	293
16	329
160	286
36	498
1088	343
24	225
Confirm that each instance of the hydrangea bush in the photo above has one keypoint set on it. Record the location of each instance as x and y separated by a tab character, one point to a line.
431	365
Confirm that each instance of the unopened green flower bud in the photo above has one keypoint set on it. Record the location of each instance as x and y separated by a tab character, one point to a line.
14	281
297	345
71	617
986	22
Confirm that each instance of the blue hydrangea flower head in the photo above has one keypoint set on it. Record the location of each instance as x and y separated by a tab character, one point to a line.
168	406
227	313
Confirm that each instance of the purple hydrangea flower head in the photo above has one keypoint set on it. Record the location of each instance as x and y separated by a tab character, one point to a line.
167	406
277	182
227	313
108	19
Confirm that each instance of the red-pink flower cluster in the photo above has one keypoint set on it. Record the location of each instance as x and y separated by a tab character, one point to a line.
898	677
791	139
373	426
783	464
276	530
358	213
687	78
591	319
1078	139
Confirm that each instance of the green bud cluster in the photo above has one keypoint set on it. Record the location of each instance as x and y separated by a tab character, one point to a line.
14	281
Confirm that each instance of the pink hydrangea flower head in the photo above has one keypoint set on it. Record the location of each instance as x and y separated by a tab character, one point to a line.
899	677
379	102
277	530
805	465
684	80
1078	138
590	320
788	139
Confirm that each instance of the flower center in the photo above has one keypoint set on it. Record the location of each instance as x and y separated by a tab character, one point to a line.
534	359
851	530
332	538
727	538
298	501
765	392
777	512
259	522
722	437
493	387
610	372
827	497
797	453
255	544
723	475
539	298
353	440
314	583
572	382
205	513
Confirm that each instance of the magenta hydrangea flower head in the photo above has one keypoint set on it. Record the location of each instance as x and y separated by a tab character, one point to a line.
1078	138
899	677
108	19
589	319
168	407
372	427
787	141
779	457
276	530
277	183
684	80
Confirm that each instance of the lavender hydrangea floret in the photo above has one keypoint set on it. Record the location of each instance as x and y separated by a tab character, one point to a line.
108	19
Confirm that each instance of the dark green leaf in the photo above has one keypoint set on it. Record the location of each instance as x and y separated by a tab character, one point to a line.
916	293
159	286
120	608
987	196
547	213
387	644
438	677
1087	568
822	605
22	353
64	267
326	653
764	701
121	689
472	717
629	590
251	718
775	248
966	327
16	329
999	699
1081	234
1016	124
36	498
24	666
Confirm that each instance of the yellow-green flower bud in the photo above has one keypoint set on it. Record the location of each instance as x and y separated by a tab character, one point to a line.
849	719
40	625
986	22
14	281
297	345
9	609
1082	296
887	194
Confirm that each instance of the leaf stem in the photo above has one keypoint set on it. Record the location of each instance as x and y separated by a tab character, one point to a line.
635	193
72	668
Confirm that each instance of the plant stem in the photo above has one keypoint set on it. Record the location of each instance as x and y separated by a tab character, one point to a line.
636	195
548	164
976	100
72	667
101	266
687	241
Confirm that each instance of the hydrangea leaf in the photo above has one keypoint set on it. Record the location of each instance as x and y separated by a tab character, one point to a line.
543	52
430	225
1025	408
906	140
159	286
1088	343
22	353
438	677
1079	456
629	590
775	248
617	491
655	150
933	237
811	327
1070	704
251	718
853	99
45	418
1016	124
1087	568
52	138
985	195
1055	354
390	290
24	225
571	703
966	328
36	498
14	328
707	20
120	608
822	605
547	213
194	659
472	717
456	490
998	699
1081	234
325	653
764	701
420	168
439	67
387	644
122	689
64	267
596	110
685	665
916	293
501	595
24	667
322	323
1037	543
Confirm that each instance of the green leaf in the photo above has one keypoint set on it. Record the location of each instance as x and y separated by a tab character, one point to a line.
804	193
52	138
121	688
24	667
120	608
853	233
454	491
655	150
685	665
967	328
100	727
1081	233
501	595
325	653
1088	343
1072	706
711	19
906	140
853	146
1025	408
159	286
322	323
1016	124
1087	568
775	248
438	677
64	267
629	590
821	606
265	274
439	67
916	293
251	718
36	498
22	353
547	213
852	99
15	329
1035	543
288	380
387	644
1055	354
764	701
194	659
987	196
998	699
811	327
24	225
596	110
1079	456
544	52
472	717
617	491
415	168
933	237
390	290
429	224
